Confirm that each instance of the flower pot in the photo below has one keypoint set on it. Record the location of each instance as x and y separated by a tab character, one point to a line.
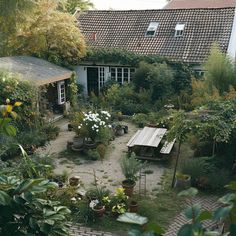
128	186
89	144
120	132
183	182
133	207
74	181
78	142
126	129
70	127
99	211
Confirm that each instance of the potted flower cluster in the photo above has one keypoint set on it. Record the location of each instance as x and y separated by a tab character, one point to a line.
130	167
89	125
98	198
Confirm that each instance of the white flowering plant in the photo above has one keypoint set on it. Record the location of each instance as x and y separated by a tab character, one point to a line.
94	123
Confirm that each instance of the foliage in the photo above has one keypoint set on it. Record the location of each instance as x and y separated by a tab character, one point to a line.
73	91
17	90
72	5
23	212
219	71
46	32
126	100
89	125
130	166
93	155
157	78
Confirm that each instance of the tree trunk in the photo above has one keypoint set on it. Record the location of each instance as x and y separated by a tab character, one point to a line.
176	164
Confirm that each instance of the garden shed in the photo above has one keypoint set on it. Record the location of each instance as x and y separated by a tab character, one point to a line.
50	78
146	143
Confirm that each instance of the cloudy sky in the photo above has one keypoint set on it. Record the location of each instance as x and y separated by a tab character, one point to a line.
128	4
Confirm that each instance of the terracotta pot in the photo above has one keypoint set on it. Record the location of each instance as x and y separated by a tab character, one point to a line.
99	211
128	186
133	207
74	181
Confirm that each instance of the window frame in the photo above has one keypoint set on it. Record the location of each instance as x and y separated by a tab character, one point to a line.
61	92
152	27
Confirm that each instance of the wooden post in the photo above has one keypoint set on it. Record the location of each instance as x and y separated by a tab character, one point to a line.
176	164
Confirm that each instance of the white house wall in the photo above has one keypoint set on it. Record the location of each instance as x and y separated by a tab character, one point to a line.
81	72
232	43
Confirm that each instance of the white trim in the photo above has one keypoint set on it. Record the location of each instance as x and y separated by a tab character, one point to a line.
232	43
61	99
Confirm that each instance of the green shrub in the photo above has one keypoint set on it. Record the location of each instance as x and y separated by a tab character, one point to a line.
218	179
197	167
130	167
93	155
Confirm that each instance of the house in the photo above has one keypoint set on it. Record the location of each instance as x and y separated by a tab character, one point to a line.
188	4
184	35
43	74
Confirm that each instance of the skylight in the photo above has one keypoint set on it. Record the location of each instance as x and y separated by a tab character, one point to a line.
152	28
179	30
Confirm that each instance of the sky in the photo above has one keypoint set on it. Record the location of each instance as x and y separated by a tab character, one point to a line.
128	4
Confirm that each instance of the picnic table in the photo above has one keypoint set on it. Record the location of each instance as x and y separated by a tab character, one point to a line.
147	140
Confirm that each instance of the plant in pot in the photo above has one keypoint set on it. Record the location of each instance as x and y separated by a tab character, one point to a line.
133	206
118	202
119	130
182	181
130	167
97	207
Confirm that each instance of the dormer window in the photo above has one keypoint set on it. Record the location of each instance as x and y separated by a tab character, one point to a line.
152	28
179	30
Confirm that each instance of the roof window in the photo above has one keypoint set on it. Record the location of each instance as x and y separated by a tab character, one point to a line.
179	30
152	28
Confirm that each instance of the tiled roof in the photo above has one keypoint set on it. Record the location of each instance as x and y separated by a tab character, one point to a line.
126	30
34	69
186	4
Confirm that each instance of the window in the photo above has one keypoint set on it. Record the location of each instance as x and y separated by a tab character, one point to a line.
101	77
152	28
61	89
179	30
122	75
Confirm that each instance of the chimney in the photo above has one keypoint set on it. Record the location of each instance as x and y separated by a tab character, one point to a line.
94	36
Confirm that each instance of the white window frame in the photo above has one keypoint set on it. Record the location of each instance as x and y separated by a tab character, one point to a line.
179	30
152	28
101	77
122	74
61	91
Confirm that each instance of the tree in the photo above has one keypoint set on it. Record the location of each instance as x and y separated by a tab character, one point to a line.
219	71
180	128
72	5
45	32
160	78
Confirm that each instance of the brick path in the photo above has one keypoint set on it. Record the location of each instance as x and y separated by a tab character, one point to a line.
86	231
207	202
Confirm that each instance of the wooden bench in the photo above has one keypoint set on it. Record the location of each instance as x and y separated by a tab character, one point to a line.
167	147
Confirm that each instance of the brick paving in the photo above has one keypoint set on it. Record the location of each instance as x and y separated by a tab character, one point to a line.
207	202
76	230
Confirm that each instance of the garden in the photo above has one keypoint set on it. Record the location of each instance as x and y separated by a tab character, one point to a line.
94	181
79	171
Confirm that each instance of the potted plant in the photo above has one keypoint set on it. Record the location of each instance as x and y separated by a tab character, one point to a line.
182	180
74	181
130	166
97	207
119	130
133	206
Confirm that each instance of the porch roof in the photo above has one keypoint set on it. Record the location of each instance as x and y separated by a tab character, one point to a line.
35	70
